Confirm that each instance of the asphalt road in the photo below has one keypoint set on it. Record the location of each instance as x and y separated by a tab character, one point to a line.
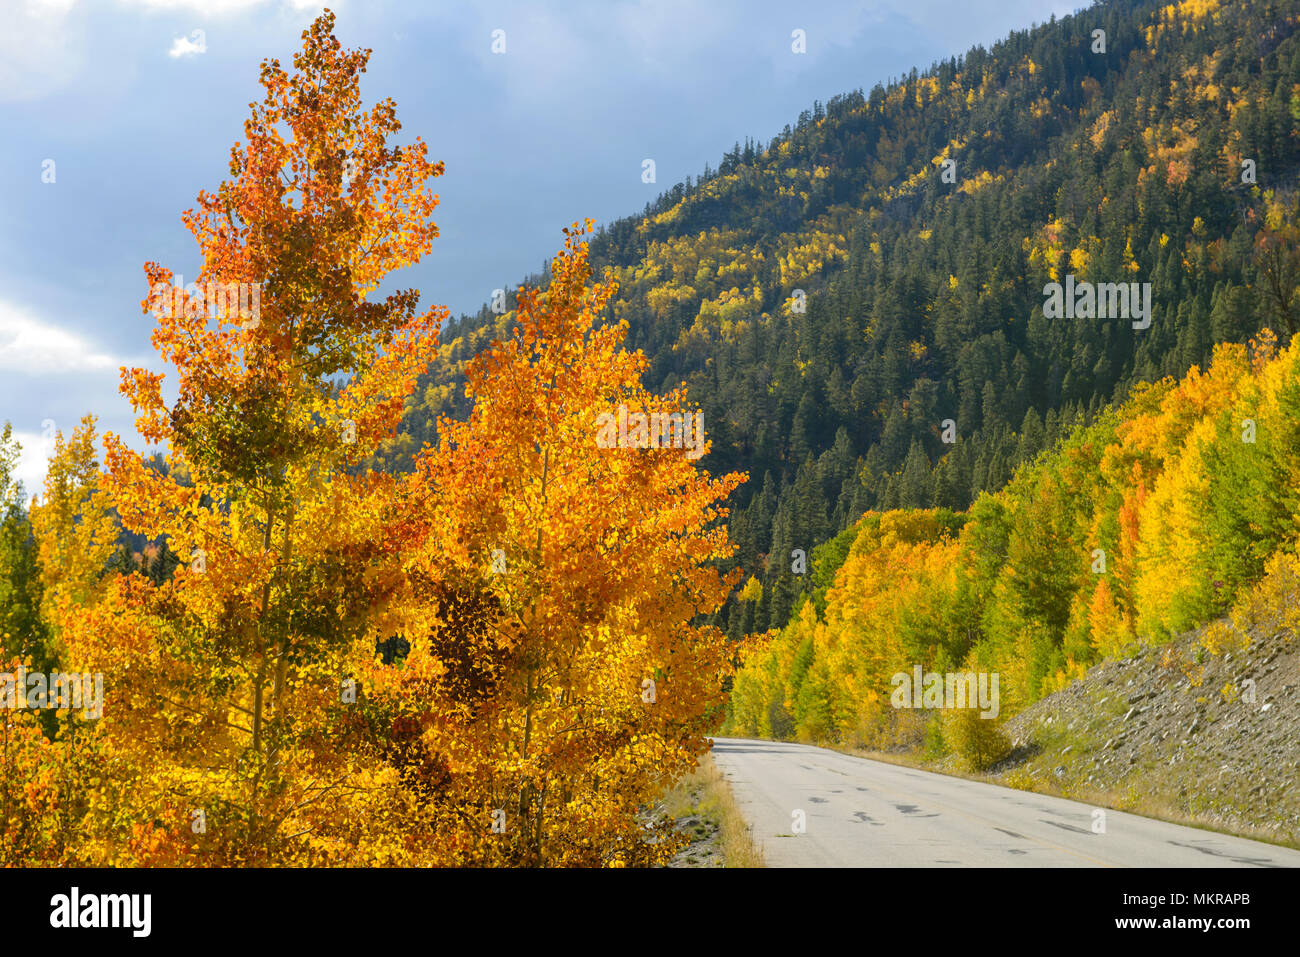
862	813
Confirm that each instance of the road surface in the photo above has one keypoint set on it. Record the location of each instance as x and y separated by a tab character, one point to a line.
862	813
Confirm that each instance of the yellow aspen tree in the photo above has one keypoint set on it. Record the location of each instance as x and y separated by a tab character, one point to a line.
557	677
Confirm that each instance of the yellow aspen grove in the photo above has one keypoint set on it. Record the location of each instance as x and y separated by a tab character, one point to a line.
496	658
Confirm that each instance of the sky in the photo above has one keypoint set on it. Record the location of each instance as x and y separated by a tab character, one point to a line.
114	114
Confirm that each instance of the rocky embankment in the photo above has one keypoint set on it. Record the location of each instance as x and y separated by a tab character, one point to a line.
1202	730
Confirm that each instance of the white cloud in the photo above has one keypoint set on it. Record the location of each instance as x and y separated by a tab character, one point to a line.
213	8
223	8
47	373
48	377
33	347
56	8
40	50
196	43
43	43
33	460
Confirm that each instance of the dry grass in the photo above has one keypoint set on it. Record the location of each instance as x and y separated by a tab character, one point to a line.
705	793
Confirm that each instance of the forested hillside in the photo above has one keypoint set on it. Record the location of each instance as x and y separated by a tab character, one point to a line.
831	298
1156	518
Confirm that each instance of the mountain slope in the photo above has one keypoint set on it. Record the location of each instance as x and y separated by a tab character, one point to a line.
1191	730
1158	518
922	300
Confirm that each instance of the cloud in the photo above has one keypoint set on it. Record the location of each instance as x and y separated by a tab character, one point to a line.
195	44
210	8
49	376
44	43
40	51
224	8
33	461
32	347
666	47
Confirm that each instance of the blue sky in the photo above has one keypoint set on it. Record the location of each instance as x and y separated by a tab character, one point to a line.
138	113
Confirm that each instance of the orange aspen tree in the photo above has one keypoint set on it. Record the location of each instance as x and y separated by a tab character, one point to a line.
225	685
557	565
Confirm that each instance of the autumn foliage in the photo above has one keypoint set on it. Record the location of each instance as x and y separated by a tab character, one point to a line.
554	674
1158	517
493	659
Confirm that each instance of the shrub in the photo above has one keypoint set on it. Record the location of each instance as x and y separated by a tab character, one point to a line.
979	742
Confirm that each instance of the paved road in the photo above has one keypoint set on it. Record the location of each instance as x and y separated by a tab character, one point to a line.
861	813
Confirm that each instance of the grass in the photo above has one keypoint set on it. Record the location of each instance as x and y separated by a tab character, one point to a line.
705	795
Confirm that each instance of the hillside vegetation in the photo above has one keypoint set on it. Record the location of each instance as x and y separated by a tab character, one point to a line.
923	299
1155	519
